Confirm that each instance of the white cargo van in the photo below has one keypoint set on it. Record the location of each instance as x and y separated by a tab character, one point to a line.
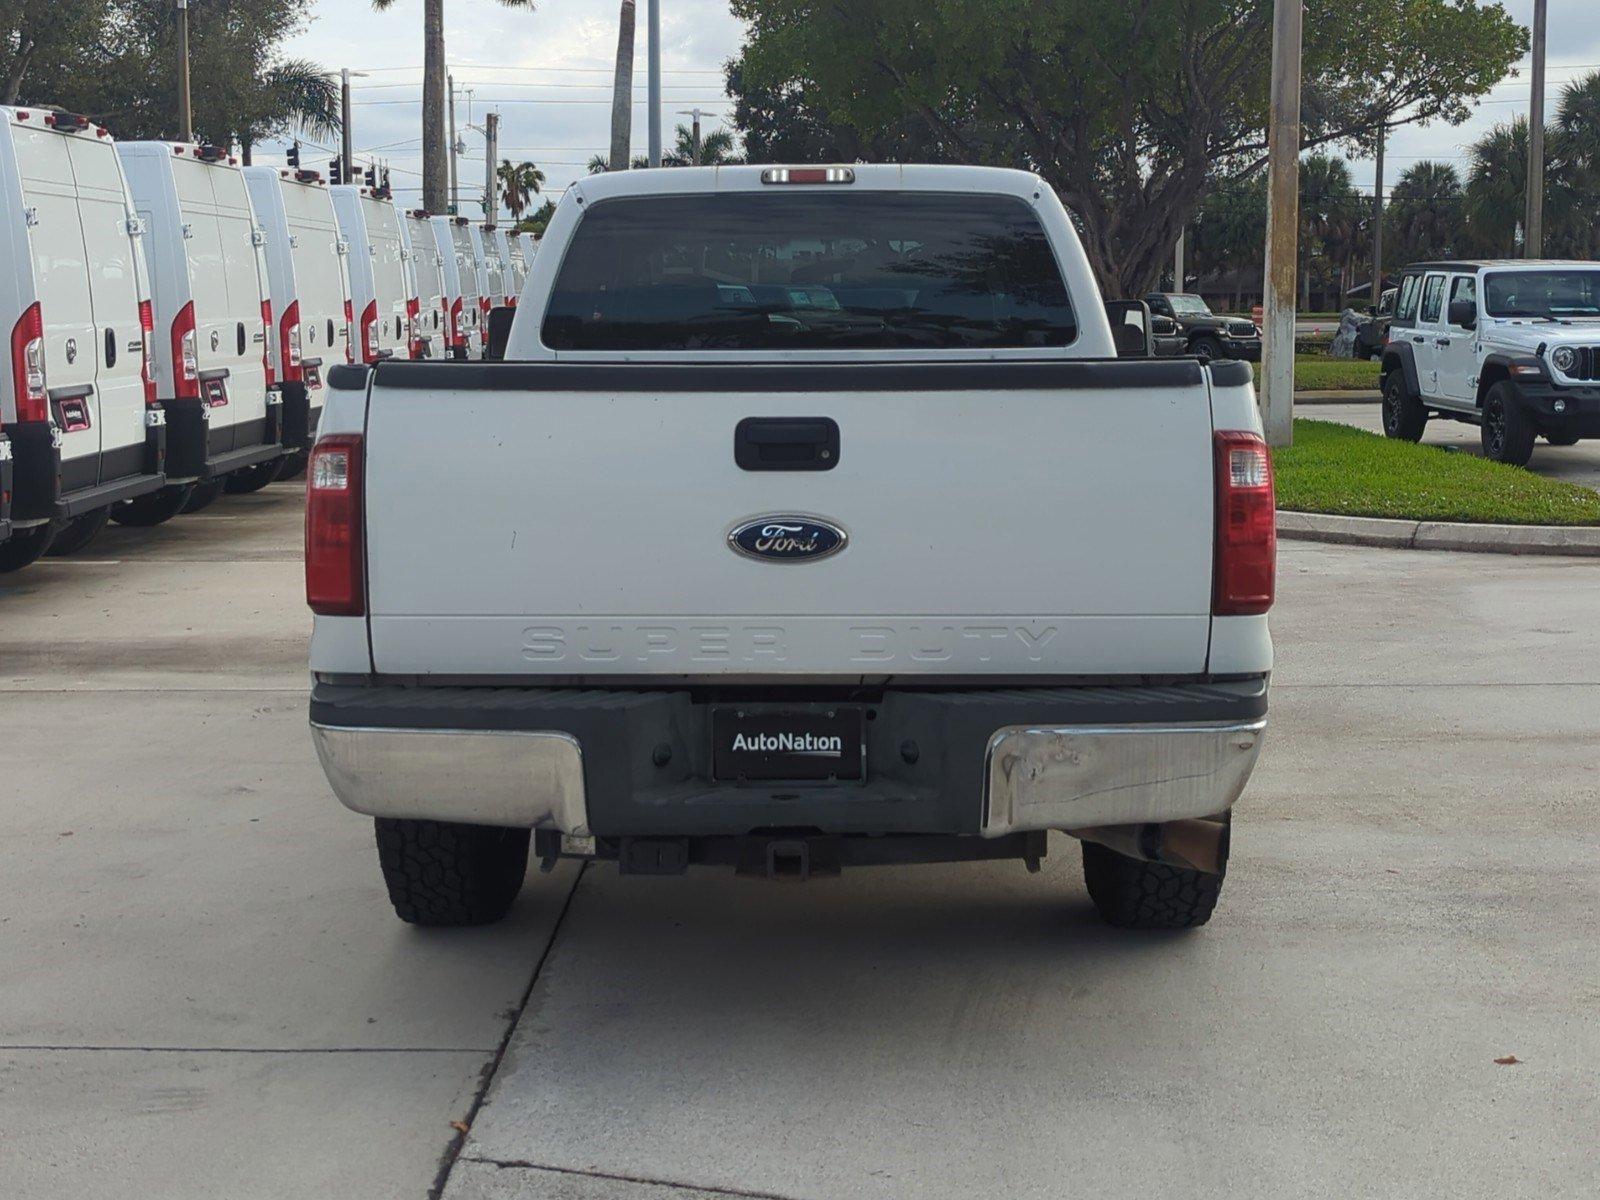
464	329
516	269
209	285
380	294
83	434
309	290
427	283
530	247
491	271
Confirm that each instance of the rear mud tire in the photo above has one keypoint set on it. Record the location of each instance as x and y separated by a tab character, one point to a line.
445	874
252	479
1131	894
154	508
204	495
79	532
291	466
24	547
1404	418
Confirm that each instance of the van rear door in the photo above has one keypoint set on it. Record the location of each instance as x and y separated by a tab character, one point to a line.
117	285
388	275
245	353
321	285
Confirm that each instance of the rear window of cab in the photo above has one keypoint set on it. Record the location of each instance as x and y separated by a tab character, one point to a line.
813	270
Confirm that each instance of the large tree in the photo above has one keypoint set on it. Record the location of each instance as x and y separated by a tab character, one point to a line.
435	153
1424	215
46	39
1128	109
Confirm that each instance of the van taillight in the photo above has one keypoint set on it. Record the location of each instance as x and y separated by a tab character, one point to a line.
185	359
1247	532
414	327
266	344
369	332
349	332
27	365
335	554
457	338
147	373
483	320
289	342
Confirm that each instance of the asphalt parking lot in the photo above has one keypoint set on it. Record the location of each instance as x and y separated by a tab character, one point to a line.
204	993
1578	464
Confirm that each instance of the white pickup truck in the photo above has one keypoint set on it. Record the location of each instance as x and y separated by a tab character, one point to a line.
811	522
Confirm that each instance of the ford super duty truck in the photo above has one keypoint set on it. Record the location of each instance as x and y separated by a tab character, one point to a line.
810	522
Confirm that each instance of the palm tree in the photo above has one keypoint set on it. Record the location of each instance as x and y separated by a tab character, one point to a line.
716	147
598	164
521	183
293	95
1578	126
1424	212
435	163
1328	211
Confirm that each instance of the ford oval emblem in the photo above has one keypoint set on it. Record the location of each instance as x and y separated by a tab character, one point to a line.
785	538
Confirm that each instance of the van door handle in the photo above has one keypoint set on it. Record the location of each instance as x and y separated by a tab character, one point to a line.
1418	338
786	444
1441	341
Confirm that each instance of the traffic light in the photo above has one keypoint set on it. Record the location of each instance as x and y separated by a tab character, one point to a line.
294	156
372	176
335	175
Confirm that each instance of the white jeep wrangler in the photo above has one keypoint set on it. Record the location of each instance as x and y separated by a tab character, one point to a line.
1511	346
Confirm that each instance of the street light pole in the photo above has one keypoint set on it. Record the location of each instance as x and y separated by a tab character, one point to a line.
344	123
455	150
185	110
653	86
491	151
1377	223
621	155
1533	226
1177	261
694	141
1283	225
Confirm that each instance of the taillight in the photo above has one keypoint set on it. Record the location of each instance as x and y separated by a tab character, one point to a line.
1247	532
27	365
185	358
266	343
289	342
483	320
349	333
147	373
369	332
414	327
808	175
335	571
452	321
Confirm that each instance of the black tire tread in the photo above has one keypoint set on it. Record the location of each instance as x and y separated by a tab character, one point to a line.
1131	894
1411	417
78	533
446	874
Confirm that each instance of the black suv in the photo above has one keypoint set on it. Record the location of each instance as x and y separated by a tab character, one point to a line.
1206	335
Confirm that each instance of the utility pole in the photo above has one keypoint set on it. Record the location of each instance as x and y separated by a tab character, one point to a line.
185	110
654	83
491	150
622	93
344	121
696	114
1377	222
1283	225
1177	261
1533	244
455	151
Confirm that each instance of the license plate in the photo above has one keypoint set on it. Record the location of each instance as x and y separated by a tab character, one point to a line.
216	392
812	744
313	377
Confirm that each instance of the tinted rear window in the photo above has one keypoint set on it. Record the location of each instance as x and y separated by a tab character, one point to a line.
809	270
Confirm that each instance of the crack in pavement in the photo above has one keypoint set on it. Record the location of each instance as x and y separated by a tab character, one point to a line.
703	1188
452	1152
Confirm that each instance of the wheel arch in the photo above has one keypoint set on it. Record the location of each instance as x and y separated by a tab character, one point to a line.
1398	357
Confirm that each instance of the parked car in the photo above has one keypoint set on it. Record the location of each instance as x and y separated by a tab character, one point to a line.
1373	333
213	372
516	268
1511	346
309	289
720	601
426	265
380	289
81	431
1204	334
460	283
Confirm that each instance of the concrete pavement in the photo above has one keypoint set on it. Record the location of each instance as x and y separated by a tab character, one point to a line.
205	994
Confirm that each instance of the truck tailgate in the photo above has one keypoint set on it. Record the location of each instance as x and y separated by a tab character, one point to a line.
1003	518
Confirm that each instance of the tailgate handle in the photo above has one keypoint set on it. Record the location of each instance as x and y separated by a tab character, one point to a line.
786	444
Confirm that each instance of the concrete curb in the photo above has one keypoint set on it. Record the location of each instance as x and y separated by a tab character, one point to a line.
1583	540
1364	396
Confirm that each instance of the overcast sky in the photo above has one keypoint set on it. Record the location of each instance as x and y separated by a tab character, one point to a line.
548	73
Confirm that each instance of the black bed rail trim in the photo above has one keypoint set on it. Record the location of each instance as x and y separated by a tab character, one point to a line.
349	377
804	377
1231	373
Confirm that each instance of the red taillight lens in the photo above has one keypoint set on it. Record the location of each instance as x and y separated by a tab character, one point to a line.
349	332
289	342
483	320
414	327
369	332
266	343
147	373
335	555
27	365
457	337
1247	531
185	358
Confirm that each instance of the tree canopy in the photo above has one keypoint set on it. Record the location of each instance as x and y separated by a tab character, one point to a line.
1130	110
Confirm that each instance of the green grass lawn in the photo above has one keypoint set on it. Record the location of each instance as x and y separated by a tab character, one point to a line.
1319	373
1335	468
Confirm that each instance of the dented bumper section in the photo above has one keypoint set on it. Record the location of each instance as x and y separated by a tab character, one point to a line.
937	761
